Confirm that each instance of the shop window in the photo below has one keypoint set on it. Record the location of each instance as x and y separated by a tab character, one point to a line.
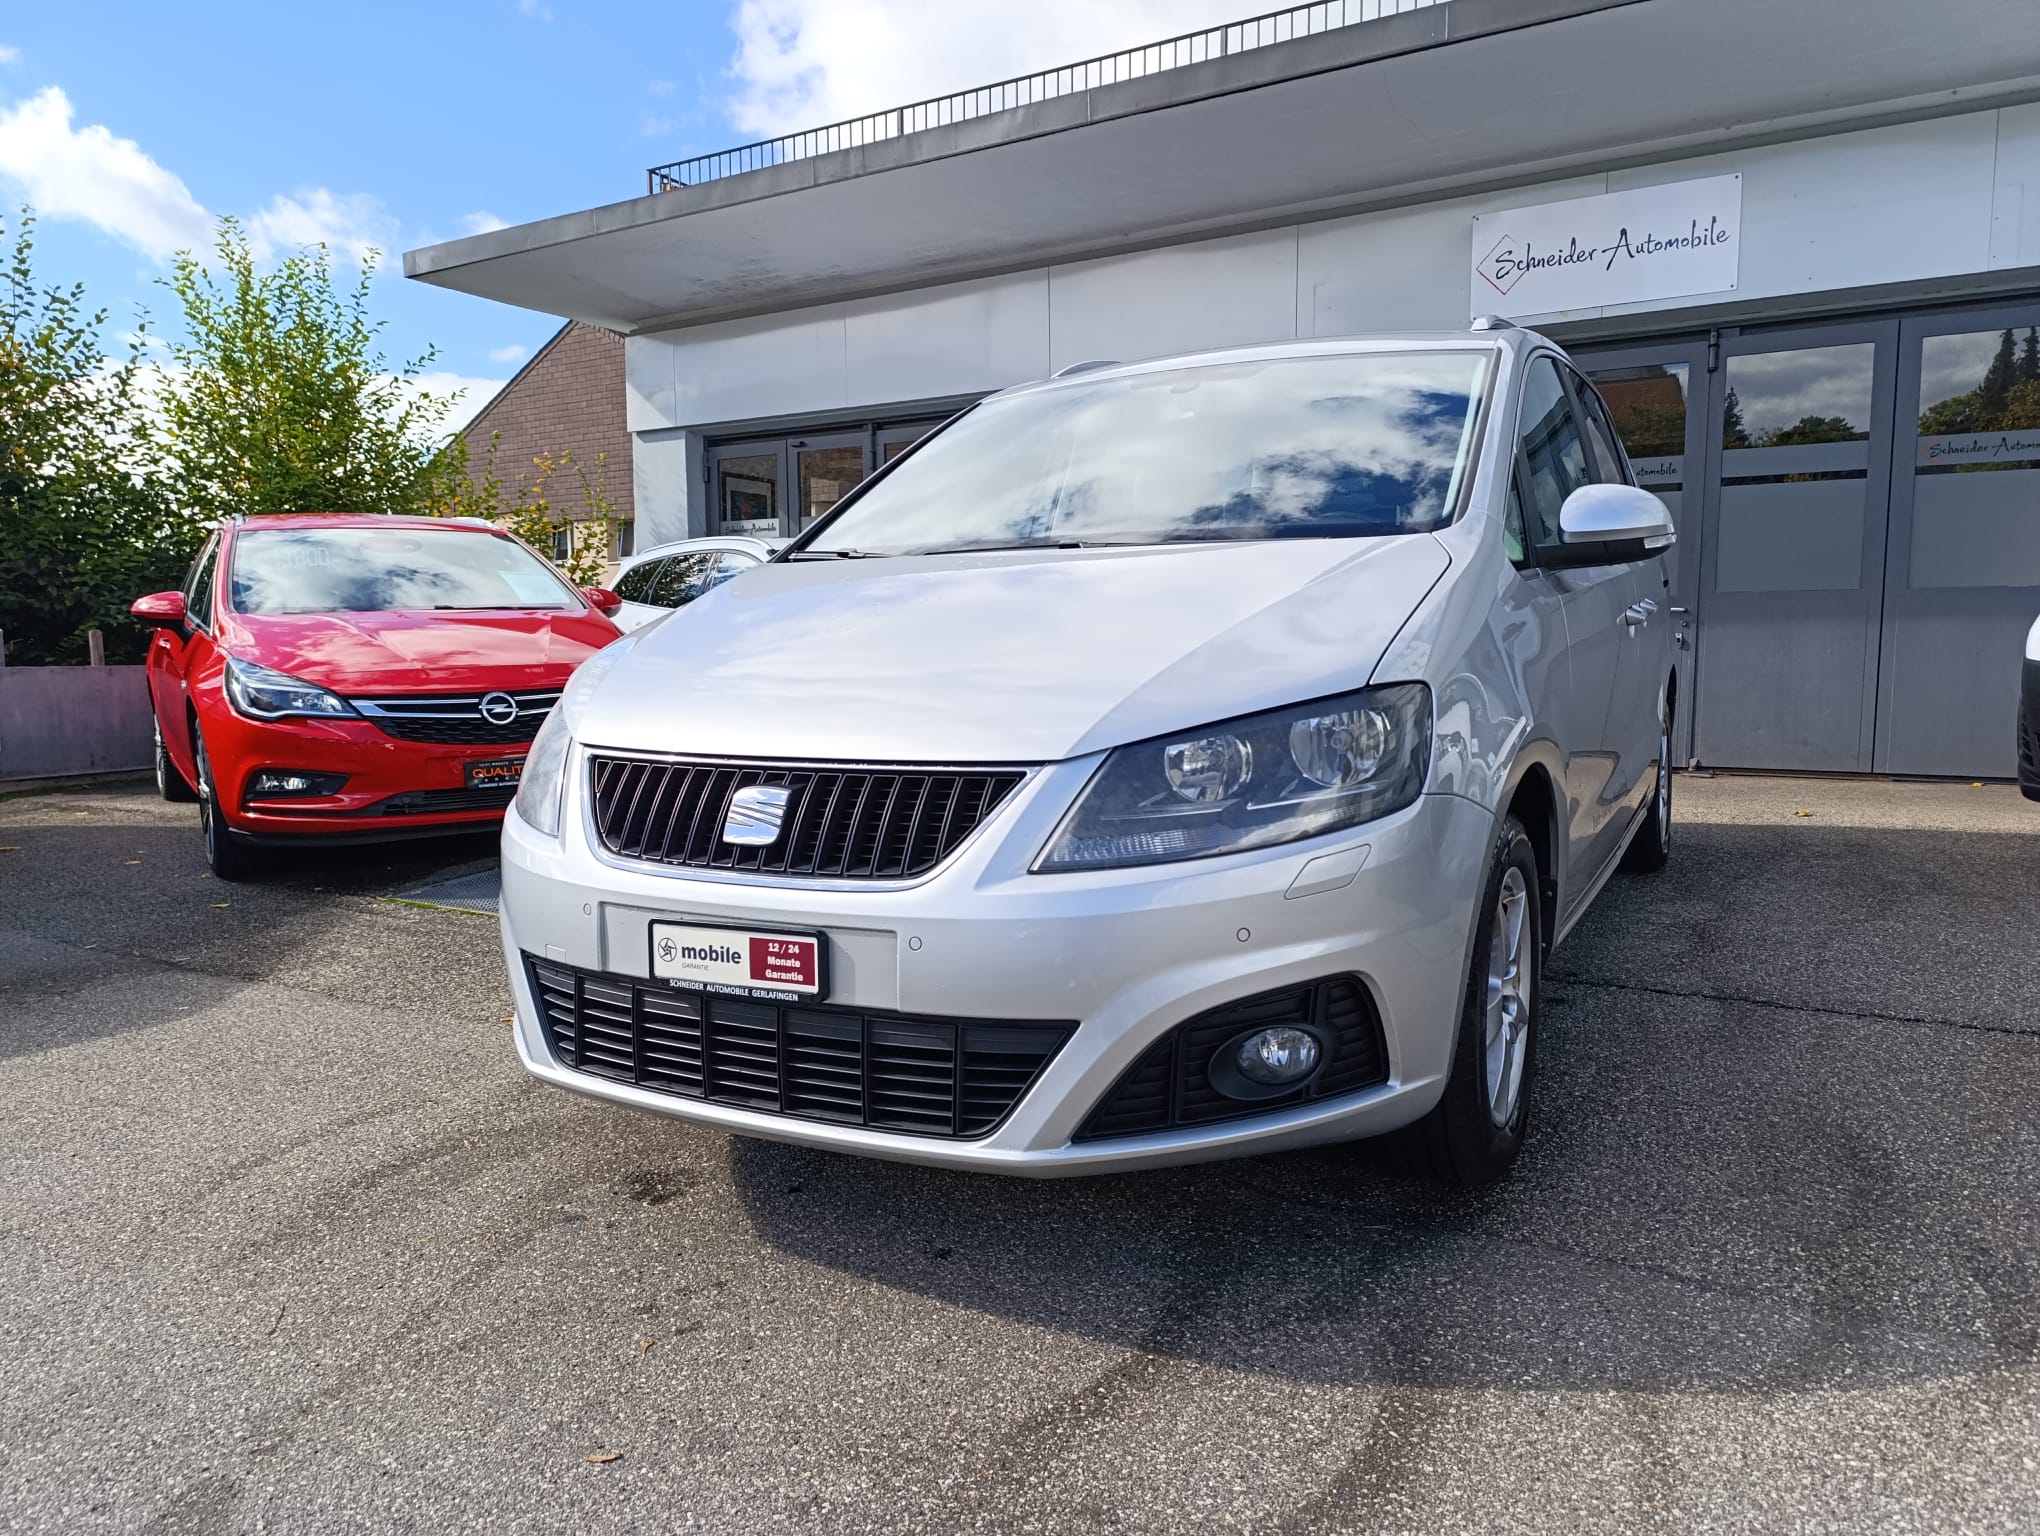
1976	461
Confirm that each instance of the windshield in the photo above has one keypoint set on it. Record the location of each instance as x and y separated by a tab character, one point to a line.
1344	446
388	570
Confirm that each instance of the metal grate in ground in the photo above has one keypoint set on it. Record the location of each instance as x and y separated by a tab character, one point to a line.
476	891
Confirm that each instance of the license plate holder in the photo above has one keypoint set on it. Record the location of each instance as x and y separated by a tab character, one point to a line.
778	964
495	773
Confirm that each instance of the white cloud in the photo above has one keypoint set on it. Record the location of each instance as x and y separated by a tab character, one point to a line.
481	223
350	224
804	63
659	88
87	173
514	353
655	125
537	10
8	55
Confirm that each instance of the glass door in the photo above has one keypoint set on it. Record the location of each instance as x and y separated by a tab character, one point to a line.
746	481
1651	400
1963	575
824	471
1792	556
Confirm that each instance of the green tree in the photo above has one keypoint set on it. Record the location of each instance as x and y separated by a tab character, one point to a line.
87	525
1812	429
1999	377
278	397
2029	356
1733	433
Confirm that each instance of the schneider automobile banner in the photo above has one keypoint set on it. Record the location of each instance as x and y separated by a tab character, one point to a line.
1665	242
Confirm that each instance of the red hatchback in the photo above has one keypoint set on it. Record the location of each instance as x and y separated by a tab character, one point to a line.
339	678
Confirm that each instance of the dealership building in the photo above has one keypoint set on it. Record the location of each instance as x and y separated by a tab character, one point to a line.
1796	244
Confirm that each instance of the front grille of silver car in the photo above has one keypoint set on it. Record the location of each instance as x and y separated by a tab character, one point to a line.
1170	1084
854	823
892	1072
457	719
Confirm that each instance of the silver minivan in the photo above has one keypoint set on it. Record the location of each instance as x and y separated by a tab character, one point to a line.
1159	762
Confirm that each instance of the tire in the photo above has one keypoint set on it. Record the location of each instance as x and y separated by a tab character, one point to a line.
1650	845
171	784
228	854
1464	1140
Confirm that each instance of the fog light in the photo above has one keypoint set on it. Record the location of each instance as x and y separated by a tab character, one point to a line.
293	781
1277	1057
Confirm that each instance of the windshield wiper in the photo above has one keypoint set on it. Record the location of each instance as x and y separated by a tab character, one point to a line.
835	554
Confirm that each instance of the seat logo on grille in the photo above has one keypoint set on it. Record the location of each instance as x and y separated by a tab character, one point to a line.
756	814
498	708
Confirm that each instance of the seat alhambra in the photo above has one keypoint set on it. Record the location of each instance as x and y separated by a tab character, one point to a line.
1159	762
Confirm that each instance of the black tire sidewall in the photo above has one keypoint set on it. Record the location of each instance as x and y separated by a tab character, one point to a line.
1473	1149
227	854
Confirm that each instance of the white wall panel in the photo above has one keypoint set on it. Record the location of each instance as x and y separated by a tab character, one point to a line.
648	398
953	340
772	366
2015	237
1215	293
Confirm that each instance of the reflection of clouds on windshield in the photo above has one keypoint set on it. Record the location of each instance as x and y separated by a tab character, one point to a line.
359	570
1777	389
1345	444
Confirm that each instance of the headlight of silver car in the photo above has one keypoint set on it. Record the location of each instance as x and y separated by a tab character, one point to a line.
1248	783
538	788
263	693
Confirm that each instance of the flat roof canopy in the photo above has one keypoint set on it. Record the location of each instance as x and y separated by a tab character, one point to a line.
1455	97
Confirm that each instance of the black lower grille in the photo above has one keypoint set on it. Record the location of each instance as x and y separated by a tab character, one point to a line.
2029	725
891	1072
440	802
862	823
1170	1084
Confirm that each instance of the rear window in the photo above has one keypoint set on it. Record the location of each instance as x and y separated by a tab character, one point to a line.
388	570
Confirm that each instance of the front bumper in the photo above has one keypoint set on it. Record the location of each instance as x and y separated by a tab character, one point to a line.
1126	954
2029	731
394	788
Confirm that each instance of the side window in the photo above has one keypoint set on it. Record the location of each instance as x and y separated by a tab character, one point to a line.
729	563
685	578
198	591
1607	447
637	584
1513	542
1553	450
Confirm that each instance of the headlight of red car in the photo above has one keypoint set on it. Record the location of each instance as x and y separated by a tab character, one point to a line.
263	693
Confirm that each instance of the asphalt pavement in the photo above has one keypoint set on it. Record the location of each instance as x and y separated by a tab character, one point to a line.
288	1241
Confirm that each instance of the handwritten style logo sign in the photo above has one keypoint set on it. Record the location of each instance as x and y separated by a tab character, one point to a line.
1634	247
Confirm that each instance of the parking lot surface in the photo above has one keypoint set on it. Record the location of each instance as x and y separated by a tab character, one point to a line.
289	1242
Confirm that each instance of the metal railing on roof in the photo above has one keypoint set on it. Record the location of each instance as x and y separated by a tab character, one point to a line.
1025	90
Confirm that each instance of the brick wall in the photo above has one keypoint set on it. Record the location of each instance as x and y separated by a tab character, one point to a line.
567	399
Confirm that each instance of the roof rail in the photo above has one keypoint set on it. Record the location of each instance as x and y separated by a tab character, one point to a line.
1493	323
1085	367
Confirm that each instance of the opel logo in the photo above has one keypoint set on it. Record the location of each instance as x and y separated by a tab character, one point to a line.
756	813
498	708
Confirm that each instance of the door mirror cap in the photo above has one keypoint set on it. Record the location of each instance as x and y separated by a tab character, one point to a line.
604	600
1615	514
165	610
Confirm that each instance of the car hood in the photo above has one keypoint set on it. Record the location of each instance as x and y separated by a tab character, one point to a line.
366	653
1019	656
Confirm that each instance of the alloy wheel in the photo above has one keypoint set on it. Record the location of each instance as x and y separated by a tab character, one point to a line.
1508	997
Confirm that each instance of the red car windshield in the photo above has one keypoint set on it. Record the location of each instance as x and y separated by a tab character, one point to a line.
388	570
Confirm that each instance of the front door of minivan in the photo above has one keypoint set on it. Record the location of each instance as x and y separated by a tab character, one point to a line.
1588	715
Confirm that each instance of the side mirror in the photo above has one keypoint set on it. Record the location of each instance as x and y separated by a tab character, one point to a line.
164	610
604	600
1615	514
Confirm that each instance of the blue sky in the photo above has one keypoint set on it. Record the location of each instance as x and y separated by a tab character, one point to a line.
398	124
